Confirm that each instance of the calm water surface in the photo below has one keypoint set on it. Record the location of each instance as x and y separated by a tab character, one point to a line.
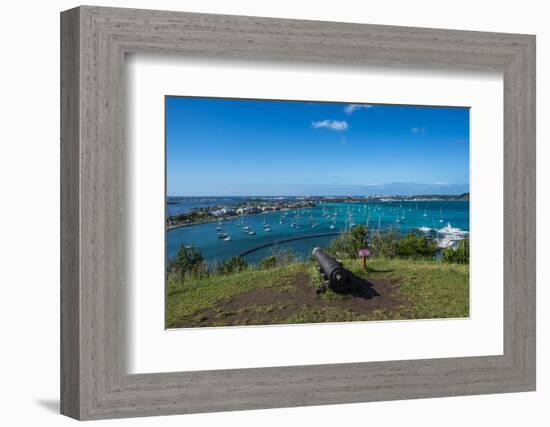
311	222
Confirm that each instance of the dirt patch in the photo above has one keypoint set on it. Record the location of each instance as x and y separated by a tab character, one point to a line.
275	305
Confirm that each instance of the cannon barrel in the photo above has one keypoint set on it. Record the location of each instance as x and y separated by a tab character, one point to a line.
335	273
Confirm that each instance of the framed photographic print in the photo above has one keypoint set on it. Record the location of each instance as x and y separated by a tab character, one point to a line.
317	180
261	213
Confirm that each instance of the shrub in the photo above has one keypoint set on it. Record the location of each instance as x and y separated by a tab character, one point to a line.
188	261
232	265
347	245
388	245
268	262
284	256
415	246
278	258
384	245
460	255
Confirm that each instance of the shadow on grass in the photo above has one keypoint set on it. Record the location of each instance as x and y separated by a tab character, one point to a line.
360	288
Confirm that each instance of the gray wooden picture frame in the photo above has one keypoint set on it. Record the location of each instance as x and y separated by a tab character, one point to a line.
94	381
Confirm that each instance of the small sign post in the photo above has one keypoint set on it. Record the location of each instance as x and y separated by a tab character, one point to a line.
364	254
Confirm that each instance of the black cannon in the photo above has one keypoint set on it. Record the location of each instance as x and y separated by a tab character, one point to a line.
333	274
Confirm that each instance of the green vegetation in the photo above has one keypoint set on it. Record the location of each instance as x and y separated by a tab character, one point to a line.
388	245
415	246
187	297
410	282
232	265
348	244
268	262
460	255
409	289
278	258
431	288
188	262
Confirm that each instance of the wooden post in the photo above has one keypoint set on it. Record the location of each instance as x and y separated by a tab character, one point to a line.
364	254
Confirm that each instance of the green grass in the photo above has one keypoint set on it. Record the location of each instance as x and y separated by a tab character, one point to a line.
423	289
433	289
324	314
185	297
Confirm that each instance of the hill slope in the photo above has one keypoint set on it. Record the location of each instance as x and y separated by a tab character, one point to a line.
284	295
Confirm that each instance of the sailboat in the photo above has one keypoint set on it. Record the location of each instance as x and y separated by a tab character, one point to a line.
440	214
296	222
350	219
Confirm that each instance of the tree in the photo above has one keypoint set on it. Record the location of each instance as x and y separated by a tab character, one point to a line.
460	255
384	245
359	236
415	246
189	260
349	243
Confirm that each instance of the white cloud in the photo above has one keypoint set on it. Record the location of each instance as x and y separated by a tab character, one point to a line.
349	109
331	124
418	129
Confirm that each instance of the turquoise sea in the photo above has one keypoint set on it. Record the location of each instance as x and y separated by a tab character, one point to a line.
326	219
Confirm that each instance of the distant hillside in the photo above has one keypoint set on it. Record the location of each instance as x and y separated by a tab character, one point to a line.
463	196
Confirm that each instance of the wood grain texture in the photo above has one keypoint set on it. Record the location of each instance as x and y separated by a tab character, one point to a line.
94	272
70	297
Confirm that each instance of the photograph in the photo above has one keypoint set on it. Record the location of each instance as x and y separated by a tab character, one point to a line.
295	212
268	210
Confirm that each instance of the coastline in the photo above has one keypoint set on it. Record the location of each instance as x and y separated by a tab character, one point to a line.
302	204
222	218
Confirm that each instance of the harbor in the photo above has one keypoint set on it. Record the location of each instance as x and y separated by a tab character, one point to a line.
257	234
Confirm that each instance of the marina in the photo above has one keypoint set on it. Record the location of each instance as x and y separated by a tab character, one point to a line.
256	236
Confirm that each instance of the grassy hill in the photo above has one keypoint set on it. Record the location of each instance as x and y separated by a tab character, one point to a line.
407	289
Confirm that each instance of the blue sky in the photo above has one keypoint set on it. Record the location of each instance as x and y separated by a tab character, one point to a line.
220	147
